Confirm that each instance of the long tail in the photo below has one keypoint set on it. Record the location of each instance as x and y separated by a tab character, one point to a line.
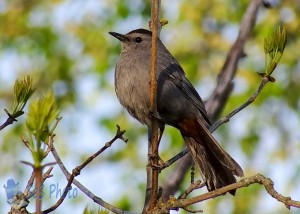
217	167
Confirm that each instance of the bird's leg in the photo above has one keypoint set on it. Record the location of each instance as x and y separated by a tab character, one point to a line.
151	156
161	131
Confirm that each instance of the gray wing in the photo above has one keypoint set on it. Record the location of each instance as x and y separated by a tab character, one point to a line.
175	74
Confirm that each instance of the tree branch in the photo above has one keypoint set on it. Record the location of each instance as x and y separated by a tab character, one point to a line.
245	182
153	157
174	204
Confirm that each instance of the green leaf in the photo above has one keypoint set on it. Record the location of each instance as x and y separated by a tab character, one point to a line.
22	92
274	46
42	112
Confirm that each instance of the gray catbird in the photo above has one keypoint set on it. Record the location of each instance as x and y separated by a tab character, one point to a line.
178	104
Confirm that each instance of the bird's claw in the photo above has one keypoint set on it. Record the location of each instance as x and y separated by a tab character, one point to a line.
160	163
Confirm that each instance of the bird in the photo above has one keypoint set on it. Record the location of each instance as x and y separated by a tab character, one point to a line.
178	104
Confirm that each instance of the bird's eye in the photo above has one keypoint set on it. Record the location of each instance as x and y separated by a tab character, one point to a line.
138	39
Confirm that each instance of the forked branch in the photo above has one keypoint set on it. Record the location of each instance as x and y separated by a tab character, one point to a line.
76	171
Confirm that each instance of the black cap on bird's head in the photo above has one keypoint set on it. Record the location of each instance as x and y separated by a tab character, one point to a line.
134	33
141	31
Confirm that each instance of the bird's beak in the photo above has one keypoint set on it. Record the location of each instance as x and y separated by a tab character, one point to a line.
121	37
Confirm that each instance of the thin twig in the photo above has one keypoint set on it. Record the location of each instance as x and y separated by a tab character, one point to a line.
226	119
101	202
29	184
11	118
55	125
175	158
63	196
119	135
26	143
197	185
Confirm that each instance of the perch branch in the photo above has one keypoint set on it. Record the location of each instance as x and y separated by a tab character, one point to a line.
153	157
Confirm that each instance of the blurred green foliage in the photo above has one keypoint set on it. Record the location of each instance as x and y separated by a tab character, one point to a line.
63	43
41	114
88	210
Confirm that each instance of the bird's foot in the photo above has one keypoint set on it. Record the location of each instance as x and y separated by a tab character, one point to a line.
156	162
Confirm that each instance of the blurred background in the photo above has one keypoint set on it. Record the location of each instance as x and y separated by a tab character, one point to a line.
65	45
